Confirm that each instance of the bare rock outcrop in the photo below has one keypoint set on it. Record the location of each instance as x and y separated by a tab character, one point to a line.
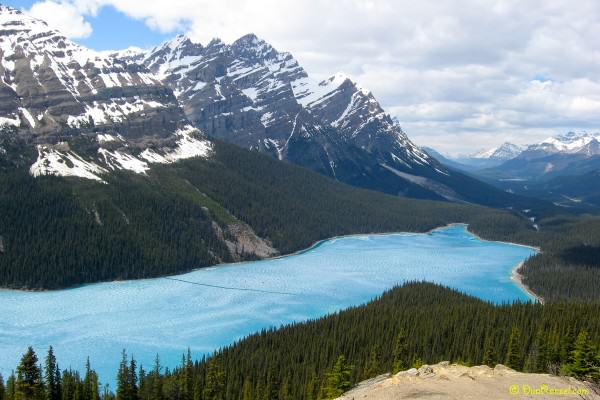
451	381
242	241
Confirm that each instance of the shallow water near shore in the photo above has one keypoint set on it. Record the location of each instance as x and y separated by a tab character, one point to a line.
165	316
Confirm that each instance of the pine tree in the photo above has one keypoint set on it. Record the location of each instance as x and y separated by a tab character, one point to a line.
11	387
188	376
273	384
2	388
90	383
58	382
566	347
123	379
311	386
513	354
52	392
214	388
338	380
417	363
133	380
542	352
583	357
489	356
157	381
285	391
29	385
372	365
143	385
400	353
247	390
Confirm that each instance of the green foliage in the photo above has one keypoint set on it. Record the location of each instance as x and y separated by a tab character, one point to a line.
127	380
140	226
338	380
214	388
29	385
400	353
569	266
417	363
52	377
584	357
513	354
2	388
11	387
417	322
488	353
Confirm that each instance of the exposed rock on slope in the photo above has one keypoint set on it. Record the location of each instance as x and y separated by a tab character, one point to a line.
256	97
82	112
445	381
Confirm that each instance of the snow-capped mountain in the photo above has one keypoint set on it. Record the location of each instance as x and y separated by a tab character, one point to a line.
85	112
485	158
568	143
252	95
505	151
572	153
70	111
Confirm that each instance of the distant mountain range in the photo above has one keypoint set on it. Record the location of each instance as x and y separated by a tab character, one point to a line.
568	154
71	111
117	161
572	152
561	169
483	158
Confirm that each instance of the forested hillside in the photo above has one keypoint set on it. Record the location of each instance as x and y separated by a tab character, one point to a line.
58	232
407	326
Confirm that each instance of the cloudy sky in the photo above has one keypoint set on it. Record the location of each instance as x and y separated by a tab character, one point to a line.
459	75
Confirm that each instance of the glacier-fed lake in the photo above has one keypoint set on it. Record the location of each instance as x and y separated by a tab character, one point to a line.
165	316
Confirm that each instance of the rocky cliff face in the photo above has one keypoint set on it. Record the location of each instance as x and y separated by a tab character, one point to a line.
70	111
51	87
250	94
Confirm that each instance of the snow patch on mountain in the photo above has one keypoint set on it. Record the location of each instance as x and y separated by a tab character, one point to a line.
505	151
117	160
7	121
60	161
570	142
188	146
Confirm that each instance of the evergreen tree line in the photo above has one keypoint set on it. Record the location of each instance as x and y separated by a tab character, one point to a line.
60	232
408	326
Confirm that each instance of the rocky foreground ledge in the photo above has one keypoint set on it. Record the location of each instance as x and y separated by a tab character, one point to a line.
451	381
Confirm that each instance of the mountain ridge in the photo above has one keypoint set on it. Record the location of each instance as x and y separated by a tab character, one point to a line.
251	95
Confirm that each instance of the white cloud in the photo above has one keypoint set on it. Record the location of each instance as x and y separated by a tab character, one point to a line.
62	16
459	74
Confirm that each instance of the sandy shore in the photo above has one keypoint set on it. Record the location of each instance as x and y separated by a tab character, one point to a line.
518	279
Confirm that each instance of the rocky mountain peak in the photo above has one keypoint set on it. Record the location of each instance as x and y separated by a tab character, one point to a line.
570	142
505	151
83	112
252	95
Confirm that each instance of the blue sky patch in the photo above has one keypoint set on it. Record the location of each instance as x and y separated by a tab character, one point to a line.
112	30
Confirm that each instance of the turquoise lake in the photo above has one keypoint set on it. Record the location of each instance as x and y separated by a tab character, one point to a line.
165	316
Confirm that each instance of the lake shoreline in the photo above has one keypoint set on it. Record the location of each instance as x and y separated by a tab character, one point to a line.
313	246
518	279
